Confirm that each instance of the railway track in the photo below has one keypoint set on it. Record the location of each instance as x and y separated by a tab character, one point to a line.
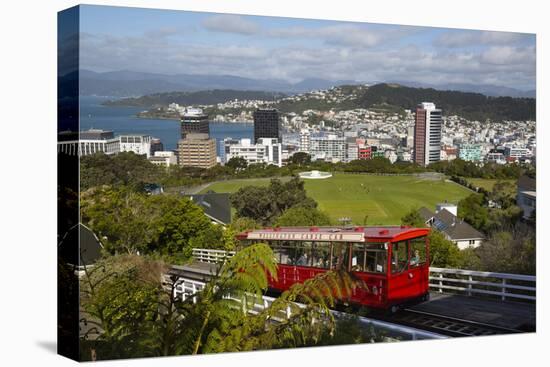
445	325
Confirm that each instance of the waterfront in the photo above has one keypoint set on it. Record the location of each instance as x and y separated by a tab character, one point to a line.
123	120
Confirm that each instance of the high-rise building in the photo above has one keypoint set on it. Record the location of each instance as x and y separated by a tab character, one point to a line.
193	120
156	146
197	150
427	134
267	124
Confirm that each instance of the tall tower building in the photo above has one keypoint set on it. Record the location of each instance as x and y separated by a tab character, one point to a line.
194	121
197	150
427	134
266	124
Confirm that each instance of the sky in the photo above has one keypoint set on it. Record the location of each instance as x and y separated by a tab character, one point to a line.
291	49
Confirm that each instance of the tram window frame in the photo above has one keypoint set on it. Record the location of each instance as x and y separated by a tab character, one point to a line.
290	253
303	248
339	256
325	259
418	243
373	250
276	248
402	265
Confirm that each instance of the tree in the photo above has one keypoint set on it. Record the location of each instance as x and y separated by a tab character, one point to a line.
265	204
120	296
181	222
300	158
509	251
474	212
242	224
443	253
120	217
125	168
413	219
237	163
137	317
300	216
131	222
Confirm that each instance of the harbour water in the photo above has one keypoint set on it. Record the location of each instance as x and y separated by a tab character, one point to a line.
123	120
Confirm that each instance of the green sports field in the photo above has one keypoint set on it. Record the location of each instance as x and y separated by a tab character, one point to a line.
378	199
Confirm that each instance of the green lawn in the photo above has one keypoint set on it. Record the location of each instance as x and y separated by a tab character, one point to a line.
486	183
384	199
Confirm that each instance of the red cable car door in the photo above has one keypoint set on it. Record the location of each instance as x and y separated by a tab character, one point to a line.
403	281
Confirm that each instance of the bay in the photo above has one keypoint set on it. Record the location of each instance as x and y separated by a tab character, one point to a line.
123	120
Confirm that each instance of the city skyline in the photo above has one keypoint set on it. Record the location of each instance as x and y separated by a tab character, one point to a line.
180	42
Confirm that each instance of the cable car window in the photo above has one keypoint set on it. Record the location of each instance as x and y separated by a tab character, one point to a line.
303	253
321	254
370	258
339	255
288	253
277	250
400	257
358	257
418	251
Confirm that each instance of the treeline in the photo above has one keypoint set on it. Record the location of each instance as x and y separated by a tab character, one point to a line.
133	170
509	247
461	168
163	226
472	106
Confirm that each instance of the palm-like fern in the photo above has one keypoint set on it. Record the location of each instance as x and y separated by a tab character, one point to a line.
216	319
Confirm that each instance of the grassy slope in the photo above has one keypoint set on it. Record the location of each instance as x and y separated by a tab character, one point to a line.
385	199
487	184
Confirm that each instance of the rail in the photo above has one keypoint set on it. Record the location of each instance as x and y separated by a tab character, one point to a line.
469	282
186	288
211	256
502	285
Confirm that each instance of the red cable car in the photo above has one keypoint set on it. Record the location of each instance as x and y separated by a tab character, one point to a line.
392	261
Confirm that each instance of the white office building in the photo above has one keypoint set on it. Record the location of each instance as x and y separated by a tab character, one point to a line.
267	150
139	144
305	136
164	158
88	142
329	148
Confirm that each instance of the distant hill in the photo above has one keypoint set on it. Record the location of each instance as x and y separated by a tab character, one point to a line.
473	106
486	89
193	98
131	84
126	83
391	97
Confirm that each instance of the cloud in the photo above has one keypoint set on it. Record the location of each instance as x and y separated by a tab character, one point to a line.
507	55
471	38
340	57
230	24
341	35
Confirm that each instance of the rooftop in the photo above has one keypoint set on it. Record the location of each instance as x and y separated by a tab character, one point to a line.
343	234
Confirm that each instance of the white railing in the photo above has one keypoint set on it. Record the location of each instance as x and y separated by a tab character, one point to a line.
189	288
469	282
211	256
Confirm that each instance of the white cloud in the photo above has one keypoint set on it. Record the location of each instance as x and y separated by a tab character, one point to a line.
468	38
501	65
231	24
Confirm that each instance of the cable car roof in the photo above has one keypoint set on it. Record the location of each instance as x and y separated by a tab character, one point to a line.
336	234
